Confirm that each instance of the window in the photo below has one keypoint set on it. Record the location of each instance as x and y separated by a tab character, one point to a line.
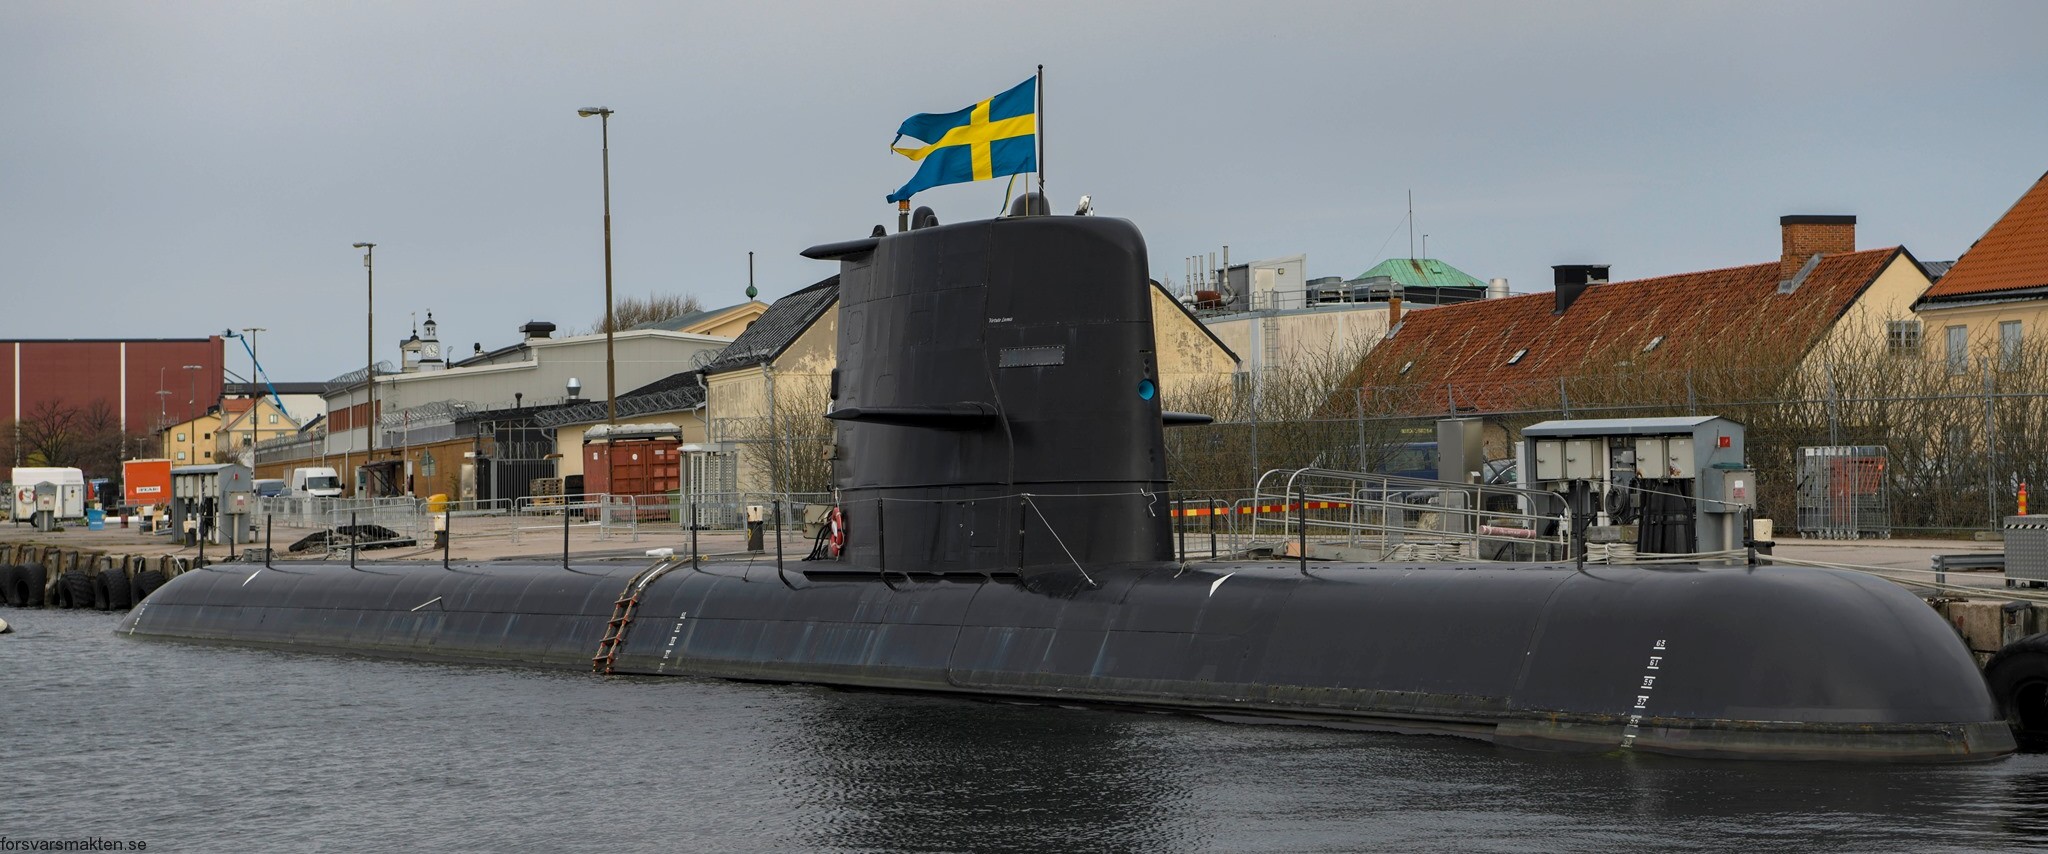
1958	349
427	464
273	418
181	437
1653	343
2008	344
1406	365
1517	357
209	455
181	455
209	436
1902	337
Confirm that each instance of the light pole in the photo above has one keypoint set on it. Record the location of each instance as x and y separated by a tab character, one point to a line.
254	369
611	398
191	399
370	340
163	413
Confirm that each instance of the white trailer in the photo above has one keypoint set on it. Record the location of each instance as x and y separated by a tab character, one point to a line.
71	491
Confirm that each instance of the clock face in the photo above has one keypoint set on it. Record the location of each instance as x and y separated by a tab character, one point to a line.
431	350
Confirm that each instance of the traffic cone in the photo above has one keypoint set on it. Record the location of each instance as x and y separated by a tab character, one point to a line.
2023	498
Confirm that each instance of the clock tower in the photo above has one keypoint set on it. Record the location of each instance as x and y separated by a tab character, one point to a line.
431	358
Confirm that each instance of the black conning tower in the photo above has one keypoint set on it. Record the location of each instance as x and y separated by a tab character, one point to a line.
997	398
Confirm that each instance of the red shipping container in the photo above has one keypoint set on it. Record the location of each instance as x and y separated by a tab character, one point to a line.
636	460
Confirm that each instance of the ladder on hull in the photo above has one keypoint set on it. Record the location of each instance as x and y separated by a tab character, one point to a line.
623	610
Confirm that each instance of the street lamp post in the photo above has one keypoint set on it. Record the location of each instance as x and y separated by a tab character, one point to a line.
370	340
192	399
611	399
254	369
163	413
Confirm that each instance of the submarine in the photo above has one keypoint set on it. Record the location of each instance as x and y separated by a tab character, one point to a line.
1000	475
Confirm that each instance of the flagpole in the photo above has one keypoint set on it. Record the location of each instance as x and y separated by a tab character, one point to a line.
1040	134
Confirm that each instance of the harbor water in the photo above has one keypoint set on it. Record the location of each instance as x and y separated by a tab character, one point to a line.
205	748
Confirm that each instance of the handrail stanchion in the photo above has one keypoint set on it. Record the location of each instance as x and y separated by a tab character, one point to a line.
693	532
1301	523
266	541
1180	527
565	535
447	531
778	533
353	532
1212	529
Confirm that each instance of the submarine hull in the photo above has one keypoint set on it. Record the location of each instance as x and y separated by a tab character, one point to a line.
1780	663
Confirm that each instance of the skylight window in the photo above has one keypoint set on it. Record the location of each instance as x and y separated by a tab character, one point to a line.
1406	365
1653	343
1517	357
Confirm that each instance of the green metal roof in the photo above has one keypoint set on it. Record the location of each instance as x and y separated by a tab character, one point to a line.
1410	272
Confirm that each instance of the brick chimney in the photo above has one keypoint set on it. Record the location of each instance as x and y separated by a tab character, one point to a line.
1807	235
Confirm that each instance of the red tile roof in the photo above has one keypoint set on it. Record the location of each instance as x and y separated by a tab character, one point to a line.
2012	255
1460	352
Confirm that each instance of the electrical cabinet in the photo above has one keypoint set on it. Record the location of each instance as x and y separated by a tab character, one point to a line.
1582	458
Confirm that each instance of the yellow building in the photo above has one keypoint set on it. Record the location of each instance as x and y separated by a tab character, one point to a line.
192	442
247	424
1986	305
727	322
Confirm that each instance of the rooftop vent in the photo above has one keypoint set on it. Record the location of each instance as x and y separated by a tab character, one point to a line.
1573	280
538	329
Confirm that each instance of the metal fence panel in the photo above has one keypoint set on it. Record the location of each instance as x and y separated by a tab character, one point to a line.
1842	494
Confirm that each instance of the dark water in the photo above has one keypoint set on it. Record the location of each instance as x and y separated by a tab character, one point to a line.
198	748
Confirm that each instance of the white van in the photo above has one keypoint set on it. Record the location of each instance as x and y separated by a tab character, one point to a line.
317	481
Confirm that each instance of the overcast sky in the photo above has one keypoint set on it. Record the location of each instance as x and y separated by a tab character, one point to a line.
173	169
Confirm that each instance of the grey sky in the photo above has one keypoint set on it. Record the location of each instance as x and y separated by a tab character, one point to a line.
172	169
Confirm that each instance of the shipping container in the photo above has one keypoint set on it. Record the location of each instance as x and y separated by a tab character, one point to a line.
635	460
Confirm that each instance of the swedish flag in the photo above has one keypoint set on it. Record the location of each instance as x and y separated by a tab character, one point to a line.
998	136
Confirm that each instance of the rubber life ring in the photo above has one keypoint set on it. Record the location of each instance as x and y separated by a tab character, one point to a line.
25	495
835	528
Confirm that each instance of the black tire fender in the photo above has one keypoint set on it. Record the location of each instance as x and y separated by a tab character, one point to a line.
2018	678
80	589
10	579
35	585
120	593
100	600
146	582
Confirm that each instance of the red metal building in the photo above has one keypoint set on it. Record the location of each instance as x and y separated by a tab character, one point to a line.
126	373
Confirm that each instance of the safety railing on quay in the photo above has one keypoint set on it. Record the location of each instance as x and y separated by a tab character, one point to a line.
1383	517
1210	526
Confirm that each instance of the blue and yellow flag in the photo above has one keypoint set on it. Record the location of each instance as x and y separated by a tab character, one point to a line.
996	137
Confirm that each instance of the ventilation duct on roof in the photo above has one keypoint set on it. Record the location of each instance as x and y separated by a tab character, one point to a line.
1573	280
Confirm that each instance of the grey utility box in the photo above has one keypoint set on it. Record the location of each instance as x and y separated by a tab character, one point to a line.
2026	548
218	499
1683	482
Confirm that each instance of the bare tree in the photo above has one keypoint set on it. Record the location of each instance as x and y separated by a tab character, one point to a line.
630	311
53	433
49	433
792	444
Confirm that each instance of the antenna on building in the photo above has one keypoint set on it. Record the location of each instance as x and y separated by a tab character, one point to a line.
1411	225
751	290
